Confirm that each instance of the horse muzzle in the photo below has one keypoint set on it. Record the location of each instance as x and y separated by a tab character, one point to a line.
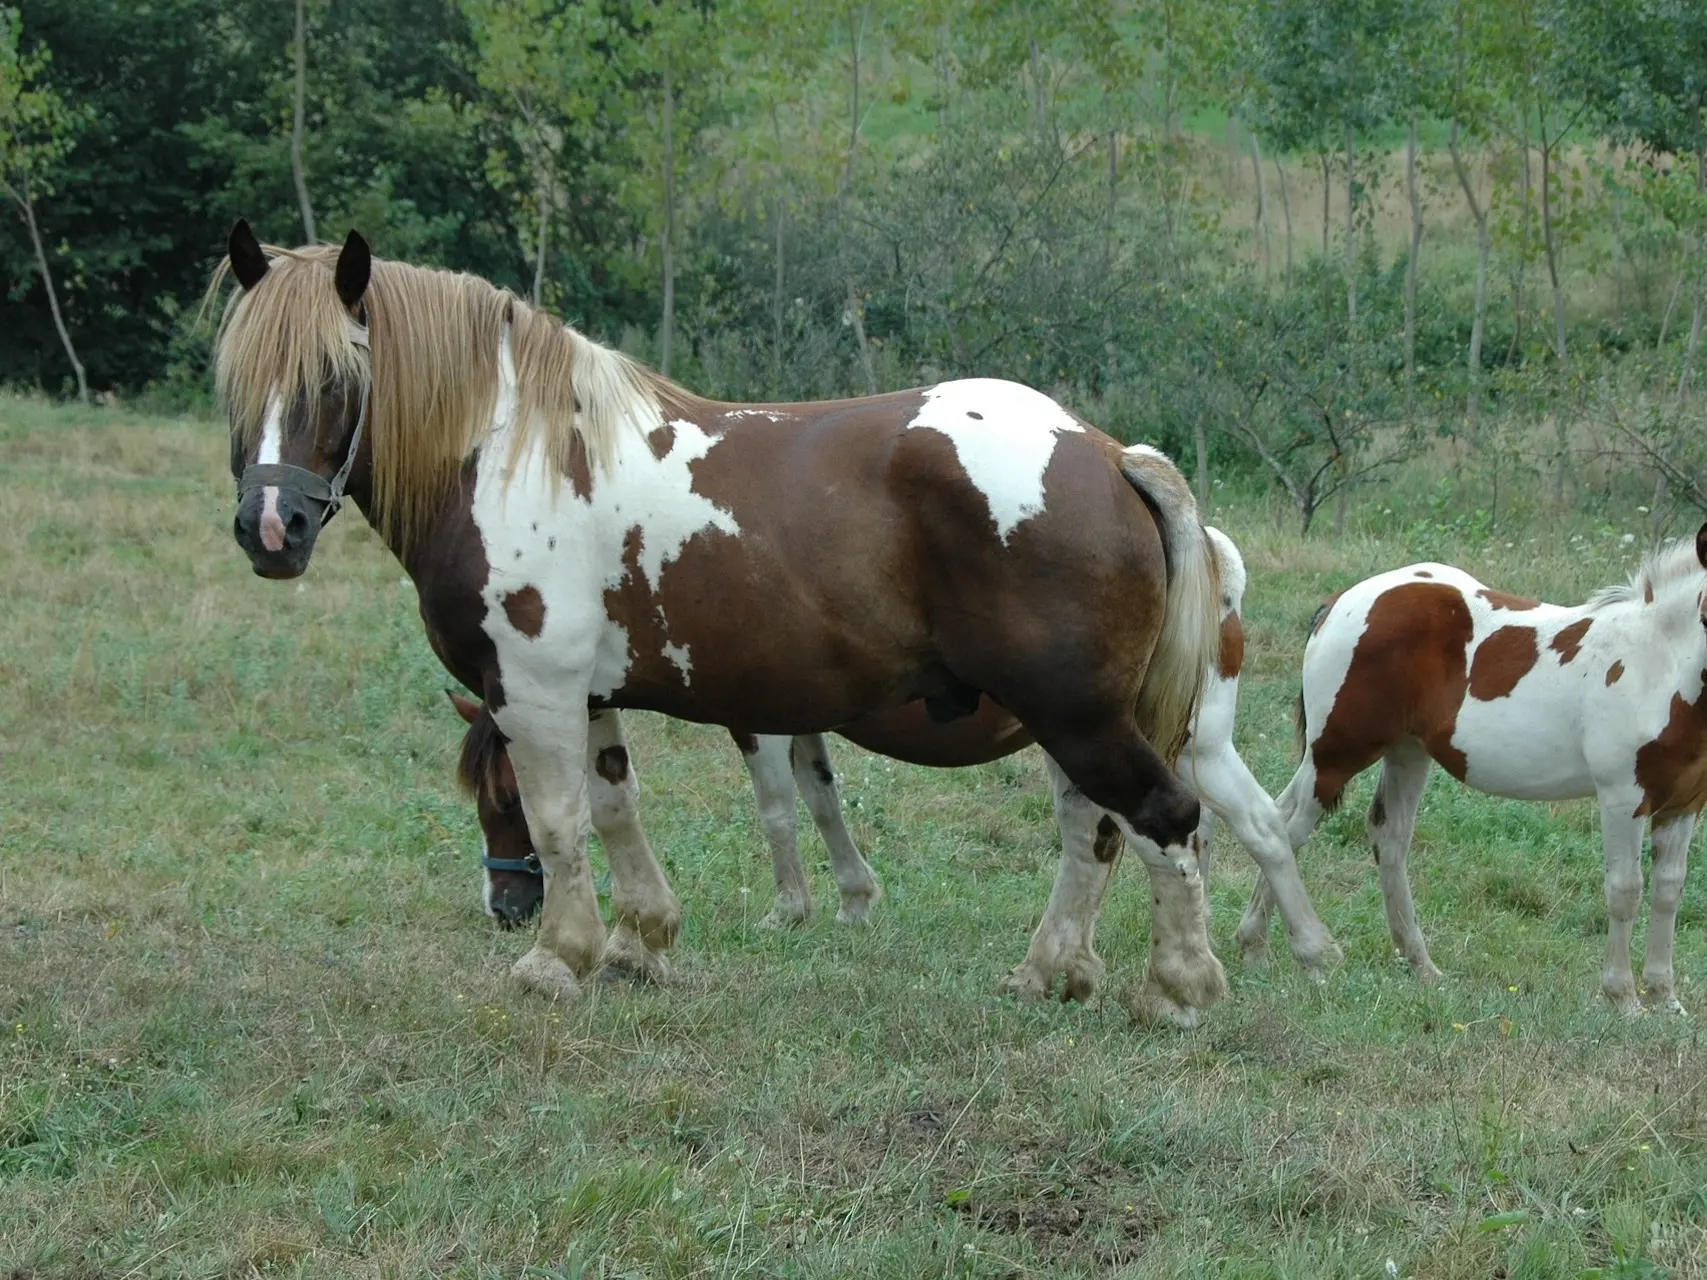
277	534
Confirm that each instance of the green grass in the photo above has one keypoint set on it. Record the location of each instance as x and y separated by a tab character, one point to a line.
255	1023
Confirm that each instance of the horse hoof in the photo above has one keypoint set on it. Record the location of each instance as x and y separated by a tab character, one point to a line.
855	913
540	971
780	918
1024	984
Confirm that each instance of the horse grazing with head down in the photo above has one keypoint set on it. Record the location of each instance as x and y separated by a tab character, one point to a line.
783	767
1521	699
584	534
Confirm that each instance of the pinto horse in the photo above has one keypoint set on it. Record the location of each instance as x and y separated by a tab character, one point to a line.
584	534
1209	764
1521	699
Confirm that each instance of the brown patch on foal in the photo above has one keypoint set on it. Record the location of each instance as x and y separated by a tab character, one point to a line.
1672	769
1614	673
1232	655
1106	846
1407	676
611	764
1501	661
526	611
1647	593
1505	600
1569	642
1424	573
661	440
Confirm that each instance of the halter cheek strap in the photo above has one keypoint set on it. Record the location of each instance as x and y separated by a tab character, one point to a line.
315	487
525	866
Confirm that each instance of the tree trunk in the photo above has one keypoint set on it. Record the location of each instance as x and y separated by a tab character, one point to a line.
1523	234
1411	270
26	205
778	292
855	34
1700	285
1327	221
1200	438
1548	244
1617	248
856	313
539	248
1262	203
1285	213
1671	310
1351	226
666	339
296	122
1039	115
1478	322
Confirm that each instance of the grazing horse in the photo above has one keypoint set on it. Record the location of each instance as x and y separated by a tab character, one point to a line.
1521	699
1209	764
584	534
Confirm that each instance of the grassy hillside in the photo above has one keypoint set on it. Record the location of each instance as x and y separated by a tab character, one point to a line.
255	1023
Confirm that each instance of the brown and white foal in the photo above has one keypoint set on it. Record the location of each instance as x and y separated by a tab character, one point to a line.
1521	699
1209	764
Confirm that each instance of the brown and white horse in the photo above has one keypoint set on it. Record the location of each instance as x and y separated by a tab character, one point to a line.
583	533
777	766
1516	698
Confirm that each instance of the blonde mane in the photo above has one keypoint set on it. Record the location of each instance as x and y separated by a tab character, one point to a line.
434	339
1672	565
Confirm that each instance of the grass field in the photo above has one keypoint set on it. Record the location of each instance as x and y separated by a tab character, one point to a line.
255	1023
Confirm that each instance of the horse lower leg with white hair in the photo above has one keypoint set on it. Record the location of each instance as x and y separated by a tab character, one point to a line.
1670	869
856	885
766	758
646	915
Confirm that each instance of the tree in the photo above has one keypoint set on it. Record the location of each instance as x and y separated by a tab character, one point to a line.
36	128
297	104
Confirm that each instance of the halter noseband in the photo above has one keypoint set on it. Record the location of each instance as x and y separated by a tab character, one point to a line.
523	866
316	488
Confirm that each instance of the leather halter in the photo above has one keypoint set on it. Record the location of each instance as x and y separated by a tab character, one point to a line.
300	480
523	866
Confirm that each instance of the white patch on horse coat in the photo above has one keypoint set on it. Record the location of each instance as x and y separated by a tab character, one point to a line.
538	533
1004	435
486	879
678	654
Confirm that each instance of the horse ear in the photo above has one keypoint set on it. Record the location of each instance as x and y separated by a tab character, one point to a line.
467	708
248	263
355	265
1701	545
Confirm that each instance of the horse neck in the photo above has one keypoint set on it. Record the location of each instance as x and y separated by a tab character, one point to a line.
1666	636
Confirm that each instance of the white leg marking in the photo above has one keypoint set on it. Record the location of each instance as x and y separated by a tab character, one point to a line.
859	888
773	792
1621	835
1671	868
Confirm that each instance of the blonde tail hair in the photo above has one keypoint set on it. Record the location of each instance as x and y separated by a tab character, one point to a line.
1191	620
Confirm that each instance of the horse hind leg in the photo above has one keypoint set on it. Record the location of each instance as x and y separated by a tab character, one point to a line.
1298	812
1222	781
1670	869
767	759
1061	946
646	915
1118	770
813	774
1391	824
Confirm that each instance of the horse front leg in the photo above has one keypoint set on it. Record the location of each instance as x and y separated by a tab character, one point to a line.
1670	869
1621	836
547	747
645	913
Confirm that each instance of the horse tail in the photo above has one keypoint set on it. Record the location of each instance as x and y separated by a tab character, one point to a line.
1299	725
1191	618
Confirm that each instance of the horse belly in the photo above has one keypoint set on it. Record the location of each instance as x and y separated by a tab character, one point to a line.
1527	746
909	733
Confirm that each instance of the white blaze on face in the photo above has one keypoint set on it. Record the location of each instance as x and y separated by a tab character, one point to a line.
1004	435
486	879
272	441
